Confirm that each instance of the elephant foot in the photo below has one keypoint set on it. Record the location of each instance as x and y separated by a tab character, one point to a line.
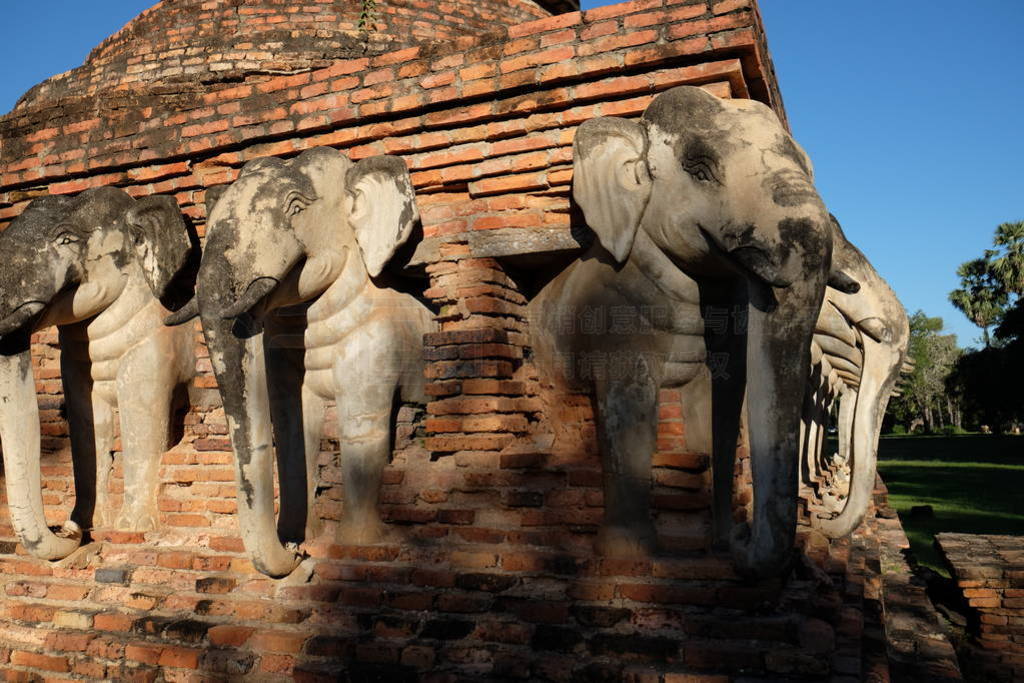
136	521
70	530
753	561
621	541
364	532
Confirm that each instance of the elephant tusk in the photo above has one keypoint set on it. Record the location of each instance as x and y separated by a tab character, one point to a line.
876	329
843	282
257	289
187	312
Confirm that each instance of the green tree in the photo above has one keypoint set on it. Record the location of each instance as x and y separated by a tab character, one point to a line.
1008	257
925	399
981	295
992	294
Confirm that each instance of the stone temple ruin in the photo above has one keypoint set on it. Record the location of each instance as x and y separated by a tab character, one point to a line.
536	311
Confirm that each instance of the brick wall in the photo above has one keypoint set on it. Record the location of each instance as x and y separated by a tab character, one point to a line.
493	495
989	570
228	40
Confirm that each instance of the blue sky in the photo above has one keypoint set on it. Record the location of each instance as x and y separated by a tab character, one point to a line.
912	112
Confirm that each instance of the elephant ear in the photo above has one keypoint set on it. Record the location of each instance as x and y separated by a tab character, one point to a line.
213	195
160	240
383	211
611	181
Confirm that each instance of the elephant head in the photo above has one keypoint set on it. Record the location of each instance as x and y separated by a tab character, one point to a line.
281	234
721	189
863	339
67	259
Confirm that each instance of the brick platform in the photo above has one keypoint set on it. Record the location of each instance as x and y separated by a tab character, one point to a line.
493	496
195	40
990	572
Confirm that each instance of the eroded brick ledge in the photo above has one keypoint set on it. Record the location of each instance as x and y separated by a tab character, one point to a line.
989	570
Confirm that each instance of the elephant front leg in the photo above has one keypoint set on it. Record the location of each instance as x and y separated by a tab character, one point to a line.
366	390
145	435
92	444
627	421
364	455
91	423
298	445
727	366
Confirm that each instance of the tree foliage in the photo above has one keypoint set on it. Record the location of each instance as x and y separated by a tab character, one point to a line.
993	284
980	296
1008	257
367	15
991	294
925	400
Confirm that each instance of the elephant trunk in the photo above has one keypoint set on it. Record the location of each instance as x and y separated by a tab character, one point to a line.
872	399
777	366
236	349
19	435
19	318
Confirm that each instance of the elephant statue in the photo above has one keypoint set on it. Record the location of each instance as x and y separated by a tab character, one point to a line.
713	250
858	353
299	309
100	266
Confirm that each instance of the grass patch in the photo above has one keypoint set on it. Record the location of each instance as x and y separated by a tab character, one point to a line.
975	484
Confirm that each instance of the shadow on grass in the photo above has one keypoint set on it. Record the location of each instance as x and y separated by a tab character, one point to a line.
974	484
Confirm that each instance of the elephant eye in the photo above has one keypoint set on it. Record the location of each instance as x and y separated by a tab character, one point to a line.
702	174
65	238
701	169
297	204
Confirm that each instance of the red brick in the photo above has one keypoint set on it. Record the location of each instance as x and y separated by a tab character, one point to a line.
277	641
228	635
179	657
617	42
68	642
112	622
664	16
39	661
147	654
730	5
279	664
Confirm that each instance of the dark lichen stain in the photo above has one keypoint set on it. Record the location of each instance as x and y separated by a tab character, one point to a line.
812	239
785	147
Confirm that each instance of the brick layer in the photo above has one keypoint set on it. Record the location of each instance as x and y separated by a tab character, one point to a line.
227	40
481	593
989	570
413	100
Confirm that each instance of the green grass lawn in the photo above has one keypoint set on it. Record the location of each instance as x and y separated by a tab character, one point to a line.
974	483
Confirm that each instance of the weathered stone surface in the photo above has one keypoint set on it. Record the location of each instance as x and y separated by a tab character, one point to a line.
100	266
643	309
316	232
858	354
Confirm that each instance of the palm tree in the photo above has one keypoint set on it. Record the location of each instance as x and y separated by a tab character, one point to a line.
981	296
1009	266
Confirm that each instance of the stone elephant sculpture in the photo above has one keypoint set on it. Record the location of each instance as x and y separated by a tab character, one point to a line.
858	353
298	309
99	266
703	206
